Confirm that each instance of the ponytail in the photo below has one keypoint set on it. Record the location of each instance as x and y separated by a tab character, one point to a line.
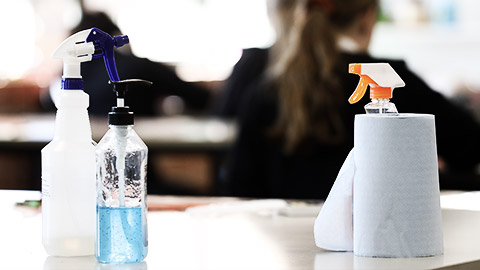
308	91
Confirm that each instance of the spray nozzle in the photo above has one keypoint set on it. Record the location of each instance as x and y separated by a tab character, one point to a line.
104	44
82	47
121	115
73	51
381	77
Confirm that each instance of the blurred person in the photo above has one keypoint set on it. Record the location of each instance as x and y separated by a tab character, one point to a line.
254	61
143	101
296	127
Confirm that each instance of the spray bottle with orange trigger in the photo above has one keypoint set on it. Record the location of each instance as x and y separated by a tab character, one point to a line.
382	78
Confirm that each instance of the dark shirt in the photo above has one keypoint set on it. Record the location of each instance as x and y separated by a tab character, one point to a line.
257	166
249	69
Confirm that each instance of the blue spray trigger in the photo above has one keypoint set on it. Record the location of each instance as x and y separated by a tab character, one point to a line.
105	43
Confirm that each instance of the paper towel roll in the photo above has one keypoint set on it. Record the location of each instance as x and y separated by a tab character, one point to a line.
396	197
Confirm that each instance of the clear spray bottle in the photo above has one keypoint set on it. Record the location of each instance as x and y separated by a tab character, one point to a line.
382	79
121	235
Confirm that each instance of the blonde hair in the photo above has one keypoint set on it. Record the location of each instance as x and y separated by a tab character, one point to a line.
302	67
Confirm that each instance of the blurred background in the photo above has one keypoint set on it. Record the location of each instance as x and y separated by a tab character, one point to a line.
201	40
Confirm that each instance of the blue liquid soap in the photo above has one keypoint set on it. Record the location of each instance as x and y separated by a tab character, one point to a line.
121	235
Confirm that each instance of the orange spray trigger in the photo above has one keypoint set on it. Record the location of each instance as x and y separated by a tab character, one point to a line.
360	90
362	84
380	76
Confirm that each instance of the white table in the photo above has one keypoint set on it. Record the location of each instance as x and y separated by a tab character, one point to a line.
205	240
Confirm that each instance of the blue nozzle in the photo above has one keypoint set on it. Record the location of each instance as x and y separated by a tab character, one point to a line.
106	43
120	41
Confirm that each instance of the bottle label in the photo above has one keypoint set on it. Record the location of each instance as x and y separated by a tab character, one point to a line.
46	188
46	183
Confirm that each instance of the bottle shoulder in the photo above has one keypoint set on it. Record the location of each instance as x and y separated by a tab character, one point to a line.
72	99
135	138
58	145
115	138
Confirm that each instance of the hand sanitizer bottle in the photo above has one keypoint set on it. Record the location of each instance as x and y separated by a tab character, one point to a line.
121	235
382	78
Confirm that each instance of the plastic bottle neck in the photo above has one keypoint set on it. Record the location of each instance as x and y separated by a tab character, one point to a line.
381	106
73	125
122	131
121	127
380	101
72	122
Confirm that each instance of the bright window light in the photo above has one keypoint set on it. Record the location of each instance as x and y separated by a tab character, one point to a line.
203	38
17	48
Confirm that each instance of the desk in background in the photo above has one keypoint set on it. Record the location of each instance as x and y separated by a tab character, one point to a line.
239	240
173	142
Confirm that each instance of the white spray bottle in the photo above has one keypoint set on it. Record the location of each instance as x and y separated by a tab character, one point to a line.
382	79
68	161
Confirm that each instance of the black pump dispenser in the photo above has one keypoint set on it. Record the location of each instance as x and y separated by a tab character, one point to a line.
121	114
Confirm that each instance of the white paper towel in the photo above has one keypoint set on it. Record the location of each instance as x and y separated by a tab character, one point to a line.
336	213
396	198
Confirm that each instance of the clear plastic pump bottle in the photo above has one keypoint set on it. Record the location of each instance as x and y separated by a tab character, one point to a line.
121	235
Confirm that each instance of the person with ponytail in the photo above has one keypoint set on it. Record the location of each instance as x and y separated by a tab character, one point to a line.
296	126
